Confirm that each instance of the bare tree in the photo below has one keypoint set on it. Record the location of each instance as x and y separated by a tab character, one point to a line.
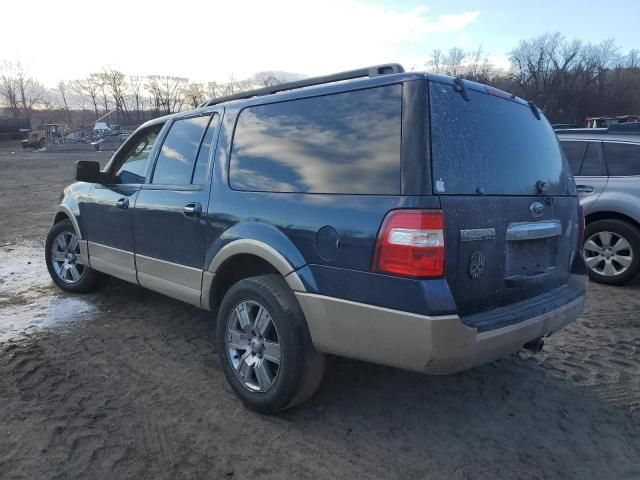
63	92
194	94
136	87
167	92
9	89
21	92
116	83
88	88
266	79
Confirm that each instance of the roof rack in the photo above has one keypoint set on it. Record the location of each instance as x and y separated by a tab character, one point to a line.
620	128
627	127
373	71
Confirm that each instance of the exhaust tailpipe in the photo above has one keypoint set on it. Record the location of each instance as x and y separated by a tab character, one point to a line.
534	346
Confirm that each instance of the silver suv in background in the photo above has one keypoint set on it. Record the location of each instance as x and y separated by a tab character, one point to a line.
606	165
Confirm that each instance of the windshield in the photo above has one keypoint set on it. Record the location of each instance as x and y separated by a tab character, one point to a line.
492	145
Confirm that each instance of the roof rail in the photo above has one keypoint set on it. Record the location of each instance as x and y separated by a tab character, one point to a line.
627	127
373	71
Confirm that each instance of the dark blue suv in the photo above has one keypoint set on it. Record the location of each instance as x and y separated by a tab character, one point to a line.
412	220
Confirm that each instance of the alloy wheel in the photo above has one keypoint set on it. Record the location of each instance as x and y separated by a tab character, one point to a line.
66	259
608	253
253	346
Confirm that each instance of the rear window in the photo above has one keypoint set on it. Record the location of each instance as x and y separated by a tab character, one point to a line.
341	143
492	145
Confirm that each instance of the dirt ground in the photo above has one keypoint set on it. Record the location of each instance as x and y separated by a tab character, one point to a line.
125	383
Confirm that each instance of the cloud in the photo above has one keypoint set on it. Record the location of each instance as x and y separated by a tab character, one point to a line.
211	40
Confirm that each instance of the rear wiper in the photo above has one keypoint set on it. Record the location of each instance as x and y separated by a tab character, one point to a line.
534	109
541	188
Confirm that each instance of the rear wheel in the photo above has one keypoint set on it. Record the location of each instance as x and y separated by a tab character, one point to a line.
612	251
264	345
42	143
64	262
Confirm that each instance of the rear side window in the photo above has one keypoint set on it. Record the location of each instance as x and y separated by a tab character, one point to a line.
592	165
341	143
178	153
622	158
492	145
574	152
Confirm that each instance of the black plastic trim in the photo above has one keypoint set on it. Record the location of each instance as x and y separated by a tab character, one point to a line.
523	310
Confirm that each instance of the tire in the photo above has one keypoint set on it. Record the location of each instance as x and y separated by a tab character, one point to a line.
88	279
297	375
614	242
42	143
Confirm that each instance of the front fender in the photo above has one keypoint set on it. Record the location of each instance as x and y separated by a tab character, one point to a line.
69	205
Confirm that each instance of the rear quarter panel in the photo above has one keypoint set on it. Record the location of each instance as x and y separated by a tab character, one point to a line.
621	195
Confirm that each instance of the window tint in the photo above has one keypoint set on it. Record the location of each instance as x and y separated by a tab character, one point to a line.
492	144
342	143
133	165
200	171
592	164
622	158
574	152
178	153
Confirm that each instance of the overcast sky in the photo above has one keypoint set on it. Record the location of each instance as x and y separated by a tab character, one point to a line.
209	39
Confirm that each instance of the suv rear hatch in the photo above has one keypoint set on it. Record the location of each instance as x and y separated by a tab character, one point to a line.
509	201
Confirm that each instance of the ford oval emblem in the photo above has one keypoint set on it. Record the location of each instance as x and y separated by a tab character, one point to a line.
537	209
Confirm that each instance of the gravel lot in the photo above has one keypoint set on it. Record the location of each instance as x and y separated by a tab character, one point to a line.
125	383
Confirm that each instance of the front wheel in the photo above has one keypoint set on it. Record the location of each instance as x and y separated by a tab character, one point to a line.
264	345
64	262
612	251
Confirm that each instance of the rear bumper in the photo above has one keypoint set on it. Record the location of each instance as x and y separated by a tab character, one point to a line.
438	345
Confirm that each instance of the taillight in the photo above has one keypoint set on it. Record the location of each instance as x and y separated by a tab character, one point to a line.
580	226
411	243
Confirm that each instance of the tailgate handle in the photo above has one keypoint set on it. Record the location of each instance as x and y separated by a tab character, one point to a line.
533	230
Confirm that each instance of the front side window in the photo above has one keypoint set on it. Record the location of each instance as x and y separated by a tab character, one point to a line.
178	153
340	143
133	162
622	158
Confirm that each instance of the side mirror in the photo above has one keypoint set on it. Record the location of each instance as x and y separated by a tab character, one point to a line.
89	171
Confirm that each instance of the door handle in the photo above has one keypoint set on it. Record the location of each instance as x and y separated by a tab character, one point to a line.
123	203
192	209
585	189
